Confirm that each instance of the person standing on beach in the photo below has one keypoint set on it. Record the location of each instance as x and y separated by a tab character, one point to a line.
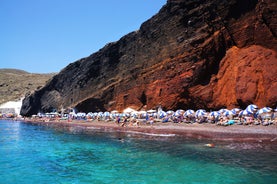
151	121
118	120
124	123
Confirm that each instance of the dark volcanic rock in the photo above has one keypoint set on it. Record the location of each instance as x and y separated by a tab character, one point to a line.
192	54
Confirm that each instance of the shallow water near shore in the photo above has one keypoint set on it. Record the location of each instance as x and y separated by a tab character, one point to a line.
37	154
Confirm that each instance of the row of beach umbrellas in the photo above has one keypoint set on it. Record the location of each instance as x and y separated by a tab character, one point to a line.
249	111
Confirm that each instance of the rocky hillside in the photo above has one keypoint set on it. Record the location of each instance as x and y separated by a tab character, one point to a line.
191	54
15	84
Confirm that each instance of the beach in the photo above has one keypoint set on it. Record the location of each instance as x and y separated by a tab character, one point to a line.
207	131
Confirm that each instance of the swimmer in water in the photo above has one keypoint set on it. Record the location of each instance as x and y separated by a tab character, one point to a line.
120	139
210	145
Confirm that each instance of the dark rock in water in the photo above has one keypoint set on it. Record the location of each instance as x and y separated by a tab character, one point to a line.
192	54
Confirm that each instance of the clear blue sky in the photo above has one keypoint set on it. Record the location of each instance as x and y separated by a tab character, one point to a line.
42	36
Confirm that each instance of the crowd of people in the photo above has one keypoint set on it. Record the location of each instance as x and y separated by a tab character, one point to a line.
223	117
252	115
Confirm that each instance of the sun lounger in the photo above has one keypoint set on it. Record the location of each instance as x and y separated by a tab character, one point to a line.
229	122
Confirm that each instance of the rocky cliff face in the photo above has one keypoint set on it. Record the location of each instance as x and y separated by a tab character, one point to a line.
192	54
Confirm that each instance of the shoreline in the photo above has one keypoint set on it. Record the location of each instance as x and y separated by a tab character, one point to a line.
205	131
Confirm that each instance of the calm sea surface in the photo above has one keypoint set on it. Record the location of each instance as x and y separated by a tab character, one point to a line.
36	154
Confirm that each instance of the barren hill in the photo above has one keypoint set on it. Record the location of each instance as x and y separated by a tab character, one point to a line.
15	84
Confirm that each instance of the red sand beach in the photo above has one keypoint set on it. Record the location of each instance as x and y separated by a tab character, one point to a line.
254	133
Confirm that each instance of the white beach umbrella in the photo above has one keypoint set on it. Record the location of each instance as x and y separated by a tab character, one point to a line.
179	112
200	113
116	115
170	112
114	112
221	111
142	113
245	113
81	114
162	114
252	108
264	110
236	110
106	114
129	110
188	112
214	113
101	114
134	114
228	113
151	111
90	114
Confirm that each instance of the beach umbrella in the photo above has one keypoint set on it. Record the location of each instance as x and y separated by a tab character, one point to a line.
245	113
114	112
116	115
54	113
228	113
200	113
179	112
151	111
170	112
90	114
214	113
188	112
264	110
41	114
121	114
126	114
100	114
155	114
162	114
81	114
134	114
236	110
129	110
142	113
252	108
71	113
106	114
221	111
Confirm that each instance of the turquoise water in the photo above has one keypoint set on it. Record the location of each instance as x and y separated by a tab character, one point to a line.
36	154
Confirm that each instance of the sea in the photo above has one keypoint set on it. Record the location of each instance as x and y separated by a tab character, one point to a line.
39	154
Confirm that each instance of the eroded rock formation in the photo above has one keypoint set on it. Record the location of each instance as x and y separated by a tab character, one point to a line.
192	54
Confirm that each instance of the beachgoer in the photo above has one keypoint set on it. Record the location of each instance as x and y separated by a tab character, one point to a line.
136	123
118	120
124	123
151	121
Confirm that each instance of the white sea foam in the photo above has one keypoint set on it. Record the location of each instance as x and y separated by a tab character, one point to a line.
152	134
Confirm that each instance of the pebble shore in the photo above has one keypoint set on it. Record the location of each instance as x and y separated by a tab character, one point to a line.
253	133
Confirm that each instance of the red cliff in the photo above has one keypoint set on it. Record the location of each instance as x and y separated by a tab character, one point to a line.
192	54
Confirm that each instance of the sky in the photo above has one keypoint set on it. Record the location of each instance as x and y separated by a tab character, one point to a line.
44	36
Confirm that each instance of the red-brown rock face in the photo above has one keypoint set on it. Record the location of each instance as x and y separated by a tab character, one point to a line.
192	54
245	76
